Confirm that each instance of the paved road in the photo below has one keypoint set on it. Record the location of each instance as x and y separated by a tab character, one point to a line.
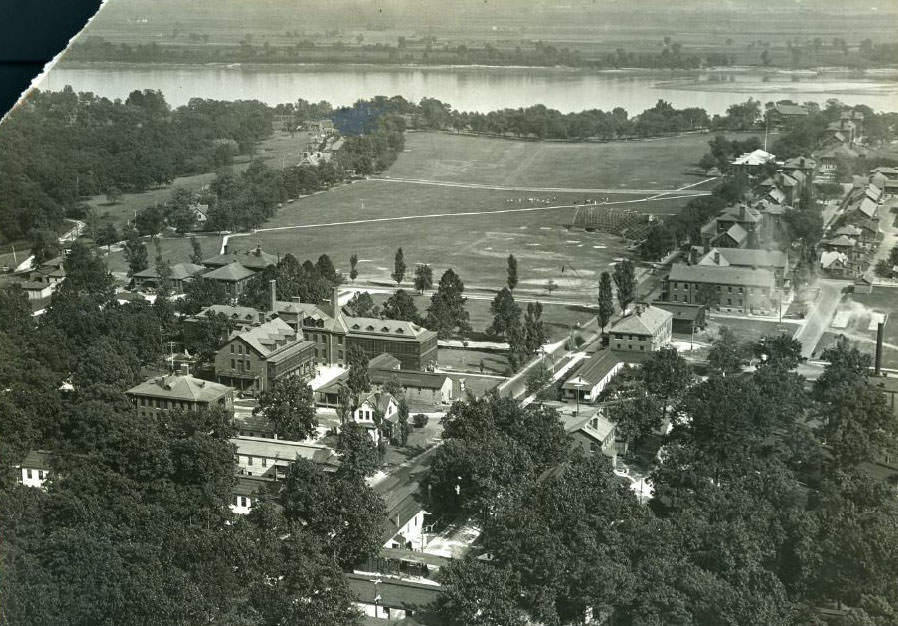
817	321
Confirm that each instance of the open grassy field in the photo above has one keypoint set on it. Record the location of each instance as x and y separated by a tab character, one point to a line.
649	164
473	230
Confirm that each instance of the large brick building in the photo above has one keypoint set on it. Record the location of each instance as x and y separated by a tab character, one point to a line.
332	333
253	359
738	289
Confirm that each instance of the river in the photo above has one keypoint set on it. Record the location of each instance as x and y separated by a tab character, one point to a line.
476	88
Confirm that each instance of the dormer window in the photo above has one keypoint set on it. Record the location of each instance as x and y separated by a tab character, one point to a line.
370	327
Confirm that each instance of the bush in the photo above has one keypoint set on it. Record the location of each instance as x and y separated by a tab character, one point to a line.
420	420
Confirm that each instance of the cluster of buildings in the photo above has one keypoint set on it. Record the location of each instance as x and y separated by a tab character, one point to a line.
855	234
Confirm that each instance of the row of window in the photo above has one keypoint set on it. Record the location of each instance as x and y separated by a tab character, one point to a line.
239	348
719	288
163	403
41	474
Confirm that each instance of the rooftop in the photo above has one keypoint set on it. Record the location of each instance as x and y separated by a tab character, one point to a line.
744	257
250	485
387	327
408	378
179	271
286	451
36	459
681	310
592	370
384	361
256	259
395	593
643	321
741	276
270	338
593	424
181	387
232	272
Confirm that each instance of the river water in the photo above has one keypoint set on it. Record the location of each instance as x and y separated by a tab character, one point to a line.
477	88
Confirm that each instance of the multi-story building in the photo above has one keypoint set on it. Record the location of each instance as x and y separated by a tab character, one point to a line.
179	391
737	289
234	276
253	359
646	329
773	260
332	333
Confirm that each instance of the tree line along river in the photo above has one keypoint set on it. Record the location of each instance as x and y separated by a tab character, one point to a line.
481	89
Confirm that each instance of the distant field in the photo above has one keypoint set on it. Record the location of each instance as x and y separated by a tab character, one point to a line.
475	229
649	164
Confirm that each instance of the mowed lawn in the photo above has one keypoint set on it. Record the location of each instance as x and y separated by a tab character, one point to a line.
473	230
667	163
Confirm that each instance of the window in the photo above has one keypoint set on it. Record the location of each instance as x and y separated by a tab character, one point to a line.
232	348
729	301
264	462
642	348
730	289
233	365
675	285
29	473
249	460
339	340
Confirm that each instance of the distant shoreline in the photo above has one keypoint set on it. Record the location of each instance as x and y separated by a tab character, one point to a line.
880	72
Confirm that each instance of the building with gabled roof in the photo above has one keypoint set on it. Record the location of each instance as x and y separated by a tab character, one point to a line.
333	333
755	158
181	274
256	260
739	289
774	260
179	391
591	376
34	468
592	432
252	359
687	318
834	263
246	492
372	406
270	459
646	329
234	276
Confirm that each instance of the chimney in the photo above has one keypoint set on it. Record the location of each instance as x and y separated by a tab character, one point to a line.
880	330
261	317
185	369
741	212
296	299
717	257
801	162
273	294
335	302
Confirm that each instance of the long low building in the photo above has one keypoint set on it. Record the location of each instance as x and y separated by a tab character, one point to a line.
734	289
270	458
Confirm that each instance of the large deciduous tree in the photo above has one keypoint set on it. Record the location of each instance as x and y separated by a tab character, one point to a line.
506	314
401	306
447	313
727	355
290	407
423	277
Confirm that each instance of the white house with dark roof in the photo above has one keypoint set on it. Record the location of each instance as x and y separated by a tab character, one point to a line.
646	329
739	289
592	432
374	406
592	375
34	469
179	391
246	492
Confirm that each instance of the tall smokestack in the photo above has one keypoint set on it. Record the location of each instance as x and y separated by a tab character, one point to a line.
335	303
880	331
273	294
